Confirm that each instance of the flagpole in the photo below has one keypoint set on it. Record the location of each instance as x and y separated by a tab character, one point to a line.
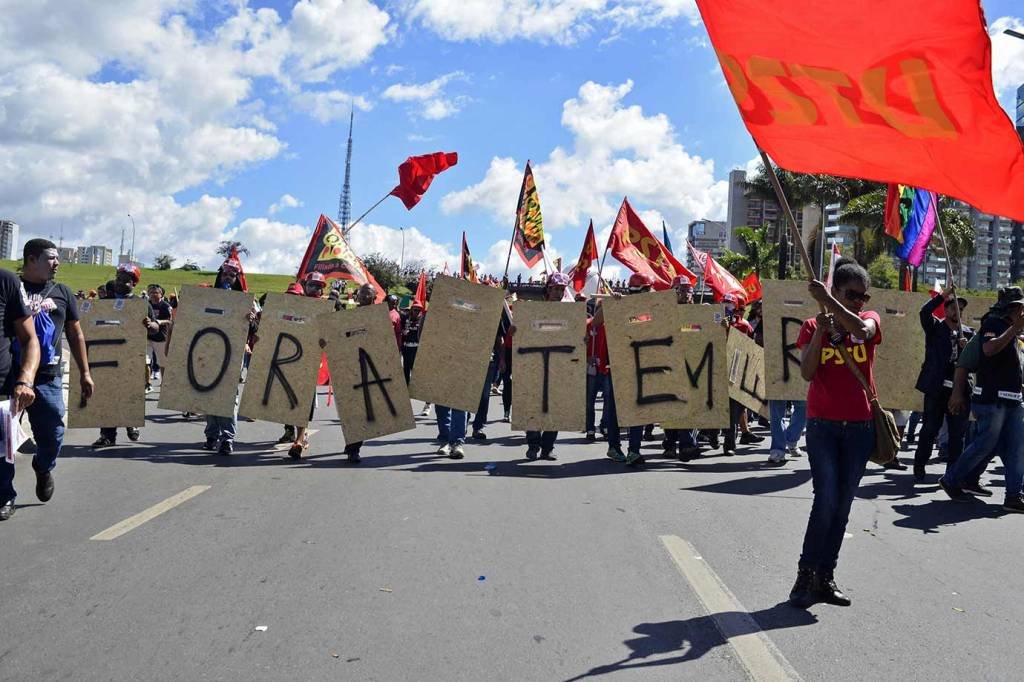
346	228
949	267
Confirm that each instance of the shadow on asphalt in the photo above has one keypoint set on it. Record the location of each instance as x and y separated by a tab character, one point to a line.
694	637
929	517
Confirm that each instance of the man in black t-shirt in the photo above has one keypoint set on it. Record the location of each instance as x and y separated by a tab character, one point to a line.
44	296
17	325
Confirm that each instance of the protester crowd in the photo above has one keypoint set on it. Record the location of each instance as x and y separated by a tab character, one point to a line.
964	373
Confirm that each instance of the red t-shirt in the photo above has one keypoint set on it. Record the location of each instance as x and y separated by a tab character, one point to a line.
396	322
597	346
743	326
834	393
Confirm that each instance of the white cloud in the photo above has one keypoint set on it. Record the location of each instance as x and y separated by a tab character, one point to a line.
286	201
1007	58
329	105
371	238
157	107
273	246
617	151
559	21
430	97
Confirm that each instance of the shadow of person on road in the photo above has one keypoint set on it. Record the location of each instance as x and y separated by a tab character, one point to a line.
694	637
758	485
929	517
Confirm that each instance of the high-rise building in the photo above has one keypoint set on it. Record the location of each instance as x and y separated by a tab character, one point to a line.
9	240
745	209
711	236
67	254
95	255
990	266
1020	111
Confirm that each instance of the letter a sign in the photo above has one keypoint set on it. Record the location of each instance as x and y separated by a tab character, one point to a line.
895	91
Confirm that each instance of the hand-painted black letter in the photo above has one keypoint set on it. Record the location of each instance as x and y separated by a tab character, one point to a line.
546	352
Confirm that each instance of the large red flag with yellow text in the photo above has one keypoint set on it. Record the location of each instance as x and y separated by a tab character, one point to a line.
897	91
634	246
330	254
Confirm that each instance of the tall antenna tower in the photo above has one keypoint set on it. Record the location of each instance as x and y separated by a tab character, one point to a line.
345	200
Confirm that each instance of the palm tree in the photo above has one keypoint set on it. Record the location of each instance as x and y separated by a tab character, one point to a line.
761	257
802	189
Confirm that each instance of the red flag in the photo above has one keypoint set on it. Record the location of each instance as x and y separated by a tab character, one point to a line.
588	255
329	254
751	288
905	284
633	245
467	270
898	91
416	174
238	262
421	291
717	278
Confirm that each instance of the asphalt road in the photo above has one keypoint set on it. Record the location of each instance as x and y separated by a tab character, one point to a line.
414	566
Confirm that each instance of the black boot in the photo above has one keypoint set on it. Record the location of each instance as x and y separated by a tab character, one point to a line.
802	595
829	592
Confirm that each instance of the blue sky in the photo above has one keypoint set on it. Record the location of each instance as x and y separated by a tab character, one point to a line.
219	120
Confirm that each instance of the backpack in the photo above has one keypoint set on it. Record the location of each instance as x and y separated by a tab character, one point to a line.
46	332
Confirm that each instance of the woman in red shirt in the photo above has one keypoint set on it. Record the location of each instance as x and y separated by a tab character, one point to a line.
840	427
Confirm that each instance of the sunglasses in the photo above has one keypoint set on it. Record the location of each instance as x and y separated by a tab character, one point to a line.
856	296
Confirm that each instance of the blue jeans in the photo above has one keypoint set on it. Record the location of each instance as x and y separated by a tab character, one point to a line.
999	428
595	382
46	415
220	428
451	425
838	453
611	420
790	435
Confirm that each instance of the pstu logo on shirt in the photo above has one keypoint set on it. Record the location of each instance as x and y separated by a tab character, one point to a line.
859	353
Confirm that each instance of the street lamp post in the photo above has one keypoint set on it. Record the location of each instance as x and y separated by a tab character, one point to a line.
131	250
401	261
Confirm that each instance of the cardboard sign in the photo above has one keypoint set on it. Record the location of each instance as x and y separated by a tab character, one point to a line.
115	341
281	382
662	360
456	342
204	361
706	386
549	366
746	373
899	356
787	303
366	372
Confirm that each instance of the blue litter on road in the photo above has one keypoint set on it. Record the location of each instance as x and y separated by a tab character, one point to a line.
483	577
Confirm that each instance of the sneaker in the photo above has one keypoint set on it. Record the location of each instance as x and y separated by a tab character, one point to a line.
748	438
7	510
776	457
532	451
953	492
445	450
457	452
478	434
548	455
288	436
976	489
591	436
226	448
615	454
633	457
210	444
1014	504
895	465
103	442
149	389
44	486
156	376
507	418
354	458
133	434
425	412
795	451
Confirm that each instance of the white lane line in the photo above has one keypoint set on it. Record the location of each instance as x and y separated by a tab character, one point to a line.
758	655
133	522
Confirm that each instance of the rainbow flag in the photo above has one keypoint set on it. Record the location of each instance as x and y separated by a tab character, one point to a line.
910	218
